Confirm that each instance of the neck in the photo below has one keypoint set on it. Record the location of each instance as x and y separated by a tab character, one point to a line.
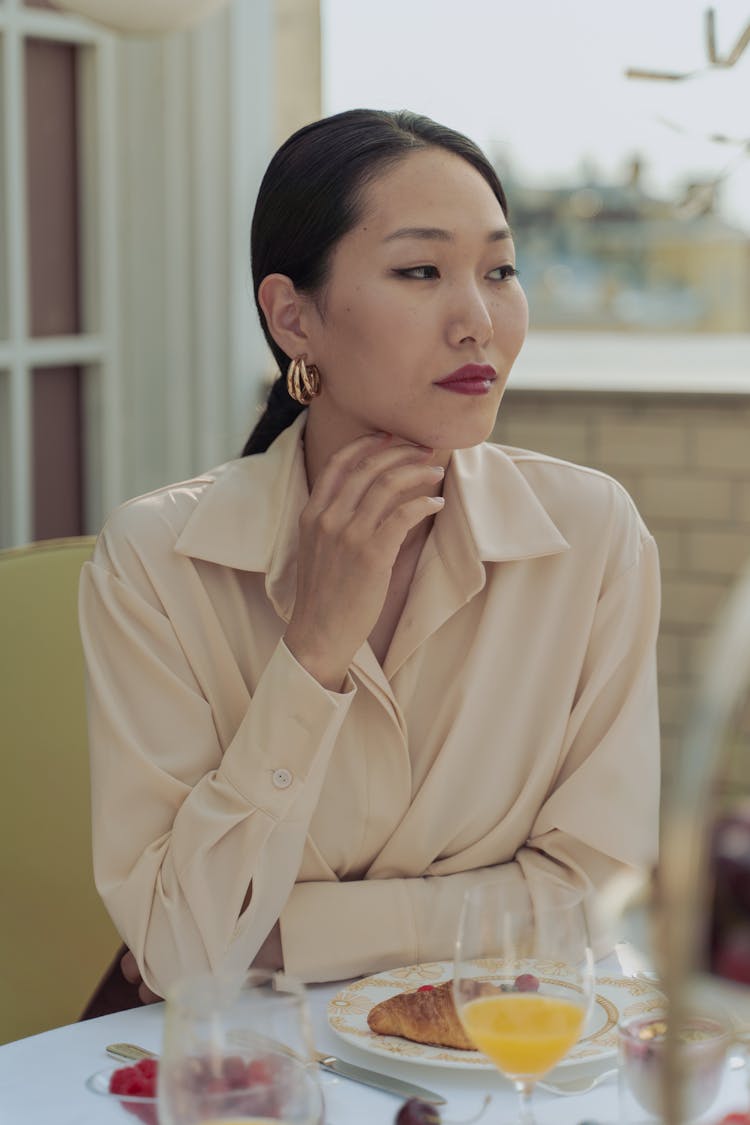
321	441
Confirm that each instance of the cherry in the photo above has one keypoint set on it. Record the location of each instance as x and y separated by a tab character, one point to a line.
526	982
415	1112
728	938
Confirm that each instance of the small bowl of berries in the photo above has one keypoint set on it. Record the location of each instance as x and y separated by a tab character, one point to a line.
133	1088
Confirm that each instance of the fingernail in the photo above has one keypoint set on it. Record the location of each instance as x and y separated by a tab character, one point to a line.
438	470
438	501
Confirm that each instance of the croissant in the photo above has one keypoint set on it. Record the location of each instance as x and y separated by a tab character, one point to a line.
424	1016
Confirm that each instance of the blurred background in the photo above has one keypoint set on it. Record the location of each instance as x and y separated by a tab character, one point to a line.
131	148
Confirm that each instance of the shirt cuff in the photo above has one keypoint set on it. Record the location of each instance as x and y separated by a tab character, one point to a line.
288	732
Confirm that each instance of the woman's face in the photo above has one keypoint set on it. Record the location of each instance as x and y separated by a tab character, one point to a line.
421	290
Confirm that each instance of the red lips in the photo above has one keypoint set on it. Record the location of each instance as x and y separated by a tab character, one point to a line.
471	379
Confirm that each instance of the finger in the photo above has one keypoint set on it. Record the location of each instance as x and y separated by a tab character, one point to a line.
390	491
146	996
336	469
129	968
399	523
356	483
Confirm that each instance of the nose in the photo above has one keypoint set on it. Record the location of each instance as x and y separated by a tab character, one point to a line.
469	317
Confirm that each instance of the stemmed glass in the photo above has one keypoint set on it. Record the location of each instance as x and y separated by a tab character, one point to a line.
238	1051
523	980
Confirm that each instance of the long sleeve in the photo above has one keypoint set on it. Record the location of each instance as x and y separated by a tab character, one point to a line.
201	821
510	734
601	814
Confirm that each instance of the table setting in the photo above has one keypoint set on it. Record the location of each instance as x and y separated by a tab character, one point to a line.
62	1077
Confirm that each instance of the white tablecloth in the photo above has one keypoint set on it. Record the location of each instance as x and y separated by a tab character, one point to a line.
42	1079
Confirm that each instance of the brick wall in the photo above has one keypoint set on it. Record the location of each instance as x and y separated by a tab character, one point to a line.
686	462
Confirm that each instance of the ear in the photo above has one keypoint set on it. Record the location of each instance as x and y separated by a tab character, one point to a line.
284	309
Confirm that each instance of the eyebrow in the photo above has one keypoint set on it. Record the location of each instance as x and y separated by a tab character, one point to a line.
437	234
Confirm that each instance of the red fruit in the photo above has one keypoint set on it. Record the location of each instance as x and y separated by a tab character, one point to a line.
119	1079
145	1113
234	1071
735	1119
425	988
415	1112
148	1069
259	1071
137	1081
526	982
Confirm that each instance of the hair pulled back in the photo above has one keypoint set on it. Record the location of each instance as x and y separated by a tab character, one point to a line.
312	195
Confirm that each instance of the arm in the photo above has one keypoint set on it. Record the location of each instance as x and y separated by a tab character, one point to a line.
180	830
601	814
197	840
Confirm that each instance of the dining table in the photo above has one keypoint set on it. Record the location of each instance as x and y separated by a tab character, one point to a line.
43	1077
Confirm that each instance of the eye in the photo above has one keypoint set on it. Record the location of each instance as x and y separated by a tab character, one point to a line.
419	273
505	272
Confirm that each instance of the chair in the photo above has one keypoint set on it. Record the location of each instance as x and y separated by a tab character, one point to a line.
56	938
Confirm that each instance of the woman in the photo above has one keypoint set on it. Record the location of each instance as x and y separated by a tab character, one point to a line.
375	660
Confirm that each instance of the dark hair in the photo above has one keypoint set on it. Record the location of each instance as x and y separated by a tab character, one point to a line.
311	196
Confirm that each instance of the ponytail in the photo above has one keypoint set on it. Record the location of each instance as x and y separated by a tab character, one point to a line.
280	412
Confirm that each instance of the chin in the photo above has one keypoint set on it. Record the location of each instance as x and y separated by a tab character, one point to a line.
461	434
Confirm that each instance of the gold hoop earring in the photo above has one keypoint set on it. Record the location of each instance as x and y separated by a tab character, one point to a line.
302	382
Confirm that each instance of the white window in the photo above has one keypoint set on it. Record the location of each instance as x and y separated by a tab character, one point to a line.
129	349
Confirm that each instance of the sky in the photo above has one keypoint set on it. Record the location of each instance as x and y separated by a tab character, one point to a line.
540	83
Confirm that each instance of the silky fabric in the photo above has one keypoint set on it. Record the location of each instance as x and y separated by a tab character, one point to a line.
511	733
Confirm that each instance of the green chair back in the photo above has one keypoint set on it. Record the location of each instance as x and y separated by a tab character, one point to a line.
56	938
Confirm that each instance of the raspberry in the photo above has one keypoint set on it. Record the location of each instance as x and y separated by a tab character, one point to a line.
137	1081
259	1072
235	1074
118	1081
527	982
426	988
144	1112
149	1070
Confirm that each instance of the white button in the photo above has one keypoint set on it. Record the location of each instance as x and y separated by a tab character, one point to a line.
282	779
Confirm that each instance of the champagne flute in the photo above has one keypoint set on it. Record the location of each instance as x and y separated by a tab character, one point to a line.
523	980
238	1051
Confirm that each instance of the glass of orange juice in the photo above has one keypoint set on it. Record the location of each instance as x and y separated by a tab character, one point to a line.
238	1051
523	979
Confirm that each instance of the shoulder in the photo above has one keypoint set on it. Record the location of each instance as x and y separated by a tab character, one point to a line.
569	486
149	525
588	506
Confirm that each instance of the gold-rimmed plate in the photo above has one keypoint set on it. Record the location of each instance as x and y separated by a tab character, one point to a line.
615	997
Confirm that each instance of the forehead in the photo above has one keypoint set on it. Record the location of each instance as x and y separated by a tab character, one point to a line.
430	188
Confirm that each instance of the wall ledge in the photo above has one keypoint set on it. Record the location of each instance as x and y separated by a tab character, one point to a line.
621	362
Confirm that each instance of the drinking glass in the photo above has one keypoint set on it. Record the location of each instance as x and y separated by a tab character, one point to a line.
523	980
703	1042
238	1051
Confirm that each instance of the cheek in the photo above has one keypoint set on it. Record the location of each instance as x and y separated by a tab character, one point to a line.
513	321
368	324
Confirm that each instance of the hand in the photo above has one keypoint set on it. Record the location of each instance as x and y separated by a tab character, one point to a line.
131	972
368	497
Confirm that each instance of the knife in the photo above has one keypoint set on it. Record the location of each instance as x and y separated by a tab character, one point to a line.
380	1081
339	1067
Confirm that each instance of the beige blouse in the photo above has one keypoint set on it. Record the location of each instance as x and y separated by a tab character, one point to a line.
511	733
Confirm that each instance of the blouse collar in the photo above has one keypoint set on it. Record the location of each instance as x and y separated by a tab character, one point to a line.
247	517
